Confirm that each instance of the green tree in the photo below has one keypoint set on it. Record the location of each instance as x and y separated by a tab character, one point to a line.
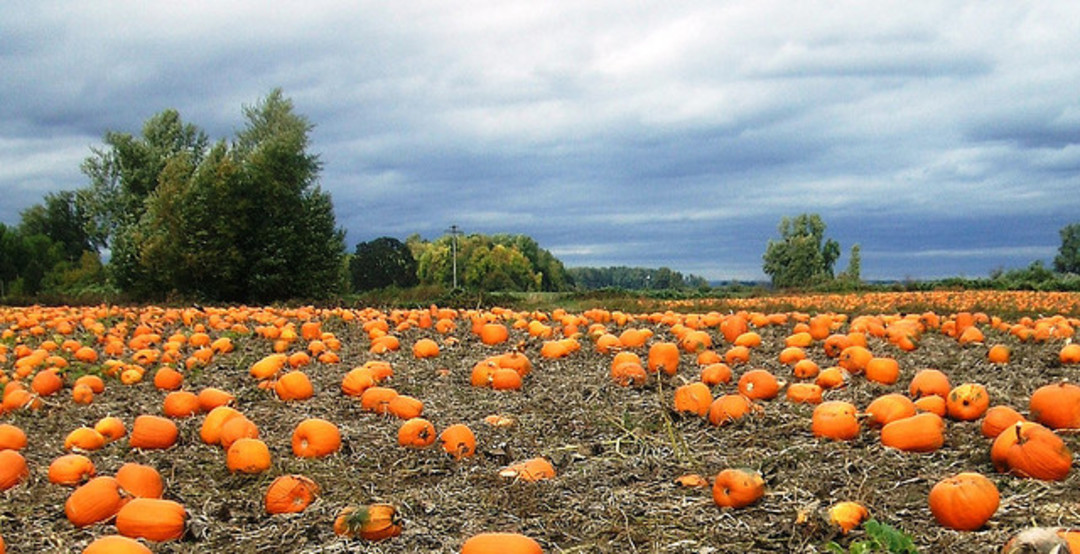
245	221
802	256
382	262
61	218
853	273
1068	257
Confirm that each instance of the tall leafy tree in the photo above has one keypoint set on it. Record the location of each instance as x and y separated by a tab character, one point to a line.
1068	257
802	256
382	262
61	218
245	221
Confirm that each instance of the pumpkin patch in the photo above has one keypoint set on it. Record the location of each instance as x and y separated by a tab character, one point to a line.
207	429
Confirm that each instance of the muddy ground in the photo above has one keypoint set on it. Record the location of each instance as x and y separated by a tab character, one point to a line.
617	451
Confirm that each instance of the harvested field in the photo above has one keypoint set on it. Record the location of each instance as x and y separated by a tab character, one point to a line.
616	450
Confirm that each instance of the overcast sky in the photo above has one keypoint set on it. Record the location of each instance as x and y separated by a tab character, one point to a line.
942	136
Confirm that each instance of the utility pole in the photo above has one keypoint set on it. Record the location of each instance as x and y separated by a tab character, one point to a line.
454	232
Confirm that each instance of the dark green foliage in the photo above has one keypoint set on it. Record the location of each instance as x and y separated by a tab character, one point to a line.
634	278
489	263
382	262
239	223
1068	257
880	537
802	257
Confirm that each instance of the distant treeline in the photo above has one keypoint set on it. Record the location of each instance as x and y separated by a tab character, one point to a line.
634	278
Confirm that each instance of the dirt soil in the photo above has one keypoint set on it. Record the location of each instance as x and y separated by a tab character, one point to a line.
616	450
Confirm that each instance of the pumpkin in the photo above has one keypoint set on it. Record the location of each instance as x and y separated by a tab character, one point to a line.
269	366
805	369
294	385
180	404
516	361
168	378
967	402
534	469
737	354
418	432
236	428
835	420
1056	406
964	502
500	543
854	359
458	441
47	382
1040	540
888	408
96	384
999	354
733	326
377	399
924	432
832	378
315	438
84	438
835	344
152	432
152	519
357	380
663	356
804	393
934	404
792	355
11	437
290	494
140	480
71	469
693	398
373	522
737	488
691	480
929	382
210	398
494	333
715	374
728	408
111	427
759	384
882	370
505	378
629	374
97	500
1028	449
116	544
1070	354
248	456
998	419
13	469
214	422
848	515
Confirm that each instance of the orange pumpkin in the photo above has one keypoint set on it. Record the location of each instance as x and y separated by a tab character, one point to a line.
888	408
140	480
11	437
294	385
153	432
180	404
1056	406
804	393
501	543
236	428
929	382
924	432
116	544
290	494
153	519
315	438
373	522
534	469
967	402
1028	449
98	500
882	370
71	469
84	438
835	420
417	433
458	441
737	488
214	422
848	515
728	408
964	502
693	398
248	456
111	427
210	398
759	384
998	419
